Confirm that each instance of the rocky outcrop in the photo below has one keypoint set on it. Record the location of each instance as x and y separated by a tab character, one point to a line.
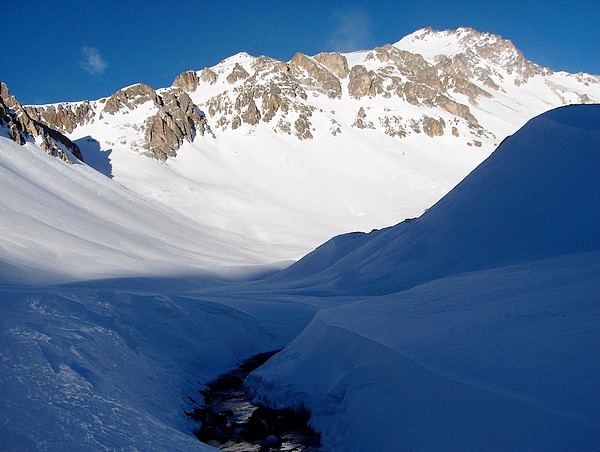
130	98
208	76
433	127
309	72
363	83
335	62
177	119
187	81
394	126
237	73
271	94
65	116
361	122
22	127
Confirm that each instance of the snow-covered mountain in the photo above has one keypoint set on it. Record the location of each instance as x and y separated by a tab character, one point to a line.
496	352
283	155
485	331
502	214
473	326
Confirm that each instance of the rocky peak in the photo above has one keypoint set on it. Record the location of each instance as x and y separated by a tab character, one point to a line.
130	98
335	62
237	73
310	73
482	57
22	126
187	81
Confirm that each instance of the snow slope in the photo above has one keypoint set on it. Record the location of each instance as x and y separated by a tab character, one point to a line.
537	196
496	354
501	359
474	326
68	222
485	334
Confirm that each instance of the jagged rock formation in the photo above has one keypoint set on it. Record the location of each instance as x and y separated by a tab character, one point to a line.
23	127
436	83
172	116
335	62
187	81
310	72
447	86
65	117
177	119
270	94
130	98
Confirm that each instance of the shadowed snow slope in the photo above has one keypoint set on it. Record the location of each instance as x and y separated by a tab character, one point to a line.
537	196
485	333
482	332
68	222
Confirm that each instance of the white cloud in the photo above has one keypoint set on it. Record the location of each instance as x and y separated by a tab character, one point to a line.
351	31
92	61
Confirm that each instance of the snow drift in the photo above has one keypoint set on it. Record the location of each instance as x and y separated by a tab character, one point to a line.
536	197
486	336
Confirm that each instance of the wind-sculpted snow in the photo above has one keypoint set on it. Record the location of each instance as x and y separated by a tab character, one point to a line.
536	197
95	369
495	343
500	359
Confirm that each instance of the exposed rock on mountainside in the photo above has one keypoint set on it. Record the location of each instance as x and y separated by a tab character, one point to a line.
65	117
429	81
23	127
309	72
335	62
130	98
187	81
364	83
173	117
177	119
238	73
478	67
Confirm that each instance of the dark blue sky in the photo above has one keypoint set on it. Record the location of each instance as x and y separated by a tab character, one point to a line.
66	50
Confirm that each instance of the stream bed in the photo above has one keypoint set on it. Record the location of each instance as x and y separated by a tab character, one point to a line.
229	421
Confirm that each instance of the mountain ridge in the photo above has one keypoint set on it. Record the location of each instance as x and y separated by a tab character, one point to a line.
254	90
284	155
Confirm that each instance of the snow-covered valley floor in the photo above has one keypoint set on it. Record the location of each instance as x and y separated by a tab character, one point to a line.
472	327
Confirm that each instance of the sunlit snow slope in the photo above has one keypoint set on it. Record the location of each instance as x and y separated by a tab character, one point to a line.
536	197
485	334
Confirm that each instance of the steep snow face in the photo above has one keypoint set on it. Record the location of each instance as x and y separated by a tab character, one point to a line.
498	345
535	197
